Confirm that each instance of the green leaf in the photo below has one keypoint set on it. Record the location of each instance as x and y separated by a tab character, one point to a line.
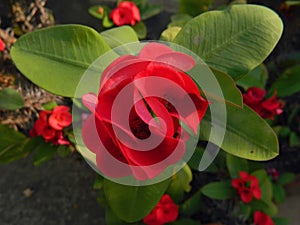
255	78
235	40
244	211
133	203
195	160
119	36
95	12
194	7
247	134
218	190
150	10
98	184
278	193
55	58
288	83
180	183
267	207
63	151
44	152
10	99
170	33
292	3
192	205
281	221
112	219
49	105
294	140
264	184
286	178
235	165
140	29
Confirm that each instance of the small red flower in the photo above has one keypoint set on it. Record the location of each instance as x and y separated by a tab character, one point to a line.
2	45
261	218
266	108
126	13
273	173
247	187
50	125
164	212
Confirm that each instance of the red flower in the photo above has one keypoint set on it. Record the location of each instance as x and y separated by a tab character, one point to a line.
50	125
254	98
247	187
261	218
164	212
136	127
126	13
273	173
2	45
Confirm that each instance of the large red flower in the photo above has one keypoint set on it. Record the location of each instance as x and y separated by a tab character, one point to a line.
126	13
266	108
142	103
164	212
247	187
261	218
50	123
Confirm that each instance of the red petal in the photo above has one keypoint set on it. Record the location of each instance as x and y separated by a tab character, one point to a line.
153	50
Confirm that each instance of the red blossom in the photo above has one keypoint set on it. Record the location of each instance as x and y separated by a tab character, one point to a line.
126	13
247	187
50	123
261	218
2	45
164	212
266	108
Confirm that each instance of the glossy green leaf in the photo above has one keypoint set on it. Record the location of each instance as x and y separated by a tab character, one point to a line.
170	33
49	105
286	178
235	165
140	29
247	134
255	78
55	58
192	205
150	10
279	193
11	145
267	207
10	99
288	83
218	190
194	7
125	200
119	36
180	184
235	40
44	152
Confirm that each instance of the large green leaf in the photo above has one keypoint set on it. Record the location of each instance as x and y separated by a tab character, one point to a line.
235	165
10	99
218	190
288	83
119	36
133	203
55	58
235	40
247	134
194	7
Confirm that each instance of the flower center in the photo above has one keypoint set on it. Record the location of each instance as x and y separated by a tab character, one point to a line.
139	128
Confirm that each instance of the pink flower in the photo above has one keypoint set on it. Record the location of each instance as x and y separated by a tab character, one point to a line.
261	218
2	45
126	13
266	108
164	212
247	187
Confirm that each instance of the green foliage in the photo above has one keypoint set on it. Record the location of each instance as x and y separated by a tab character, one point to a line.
192	205
185	222
95	12
235	165
279	193
194	7
55	58
286	178
43	152
10	99
235	40
119	36
180	184
170	33
140	29
218	190
125	200
247	134
288	83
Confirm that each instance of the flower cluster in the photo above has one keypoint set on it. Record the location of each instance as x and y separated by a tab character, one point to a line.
247	187
2	45
127	13
266	108
261	218
164	212
51	123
